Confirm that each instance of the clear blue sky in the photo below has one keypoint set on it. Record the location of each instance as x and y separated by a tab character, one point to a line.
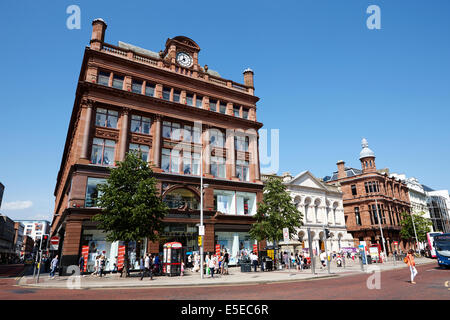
324	79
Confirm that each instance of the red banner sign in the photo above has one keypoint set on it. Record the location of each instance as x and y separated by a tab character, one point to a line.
120	257
85	254
218	249
255	249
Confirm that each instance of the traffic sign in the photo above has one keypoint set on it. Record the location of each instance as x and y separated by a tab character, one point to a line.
286	234
54	243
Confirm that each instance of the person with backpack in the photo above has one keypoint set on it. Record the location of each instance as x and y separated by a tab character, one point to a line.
409	260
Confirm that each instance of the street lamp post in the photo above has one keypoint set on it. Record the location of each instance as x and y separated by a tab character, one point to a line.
201	211
381	229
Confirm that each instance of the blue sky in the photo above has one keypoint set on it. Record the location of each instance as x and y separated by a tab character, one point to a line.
324	79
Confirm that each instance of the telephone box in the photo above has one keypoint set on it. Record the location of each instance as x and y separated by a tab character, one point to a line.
375	252
172	259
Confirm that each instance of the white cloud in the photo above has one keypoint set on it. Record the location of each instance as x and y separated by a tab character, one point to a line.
17	205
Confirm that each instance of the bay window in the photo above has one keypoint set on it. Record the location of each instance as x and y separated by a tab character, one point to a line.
91	191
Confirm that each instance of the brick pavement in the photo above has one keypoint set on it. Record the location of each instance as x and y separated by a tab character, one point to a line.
193	279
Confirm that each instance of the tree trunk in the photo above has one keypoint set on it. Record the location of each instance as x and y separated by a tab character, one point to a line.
125	260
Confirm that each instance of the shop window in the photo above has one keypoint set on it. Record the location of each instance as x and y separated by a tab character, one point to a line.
103	152
141	150
245	203
182	199
224	201
140	124
106	118
91	191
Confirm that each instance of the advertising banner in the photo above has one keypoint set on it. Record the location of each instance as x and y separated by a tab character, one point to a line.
217	249
255	249
120	257
85	254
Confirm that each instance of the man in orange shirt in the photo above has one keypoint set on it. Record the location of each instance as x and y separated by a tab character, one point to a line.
411	264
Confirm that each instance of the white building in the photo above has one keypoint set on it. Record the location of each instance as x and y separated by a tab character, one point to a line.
322	207
35	228
439	208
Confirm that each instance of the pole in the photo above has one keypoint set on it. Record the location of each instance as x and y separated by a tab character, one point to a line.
381	229
326	249
415	233
313	265
201	209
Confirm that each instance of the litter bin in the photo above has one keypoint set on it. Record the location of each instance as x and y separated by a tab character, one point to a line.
245	264
268	263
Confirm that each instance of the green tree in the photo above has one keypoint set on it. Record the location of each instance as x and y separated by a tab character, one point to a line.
132	208
275	212
421	224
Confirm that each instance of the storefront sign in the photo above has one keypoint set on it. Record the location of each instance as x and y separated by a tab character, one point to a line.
270	253
85	254
120	257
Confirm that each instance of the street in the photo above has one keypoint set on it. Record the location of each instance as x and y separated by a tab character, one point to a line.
432	284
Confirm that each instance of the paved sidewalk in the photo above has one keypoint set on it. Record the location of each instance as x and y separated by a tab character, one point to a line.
193	278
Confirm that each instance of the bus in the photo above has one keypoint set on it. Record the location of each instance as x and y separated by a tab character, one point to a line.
442	248
431	253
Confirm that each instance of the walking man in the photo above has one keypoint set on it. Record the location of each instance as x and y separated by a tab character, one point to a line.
53	266
148	266
81	264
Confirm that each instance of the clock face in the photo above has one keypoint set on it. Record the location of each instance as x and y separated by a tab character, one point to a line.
184	59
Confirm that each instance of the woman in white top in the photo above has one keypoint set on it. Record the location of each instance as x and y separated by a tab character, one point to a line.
211	265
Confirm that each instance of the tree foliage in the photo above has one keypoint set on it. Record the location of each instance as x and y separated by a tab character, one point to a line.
275	212
421	223
132	208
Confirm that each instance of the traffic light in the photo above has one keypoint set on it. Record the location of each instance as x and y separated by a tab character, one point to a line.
37	243
44	242
327	233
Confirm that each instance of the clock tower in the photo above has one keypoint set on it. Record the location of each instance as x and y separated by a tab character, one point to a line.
182	51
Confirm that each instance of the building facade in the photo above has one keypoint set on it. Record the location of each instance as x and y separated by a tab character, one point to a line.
322	207
7	253
18	237
172	110
27	246
439	207
2	190
35	228
372	200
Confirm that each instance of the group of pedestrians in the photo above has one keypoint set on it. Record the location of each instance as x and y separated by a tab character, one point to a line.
213	264
146	266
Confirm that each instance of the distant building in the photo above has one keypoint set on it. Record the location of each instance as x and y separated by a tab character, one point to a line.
6	239
27	246
18	237
2	189
372	198
322	207
439	207
35	228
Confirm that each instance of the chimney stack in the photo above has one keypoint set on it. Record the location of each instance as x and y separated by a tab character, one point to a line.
98	33
248	77
341	169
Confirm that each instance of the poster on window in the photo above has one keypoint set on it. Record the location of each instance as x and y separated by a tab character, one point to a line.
120	257
85	254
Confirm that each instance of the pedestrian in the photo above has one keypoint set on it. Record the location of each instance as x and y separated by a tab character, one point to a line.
216	264
182	268
412	264
286	260
254	259
323	257
148	266
102	262
141	267
196	263
211	266
81	264
53	266
115	265
226	259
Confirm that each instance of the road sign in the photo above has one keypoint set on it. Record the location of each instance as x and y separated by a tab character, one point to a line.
54	243
201	230
286	234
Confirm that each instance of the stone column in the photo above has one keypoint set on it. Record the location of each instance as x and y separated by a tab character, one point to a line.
87	127
206	151
123	134
156	145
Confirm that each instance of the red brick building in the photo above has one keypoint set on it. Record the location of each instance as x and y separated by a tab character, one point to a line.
129	98
366	189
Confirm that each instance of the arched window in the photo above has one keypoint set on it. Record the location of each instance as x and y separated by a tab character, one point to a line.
181	199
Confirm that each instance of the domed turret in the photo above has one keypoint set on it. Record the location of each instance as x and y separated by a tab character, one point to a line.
367	157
